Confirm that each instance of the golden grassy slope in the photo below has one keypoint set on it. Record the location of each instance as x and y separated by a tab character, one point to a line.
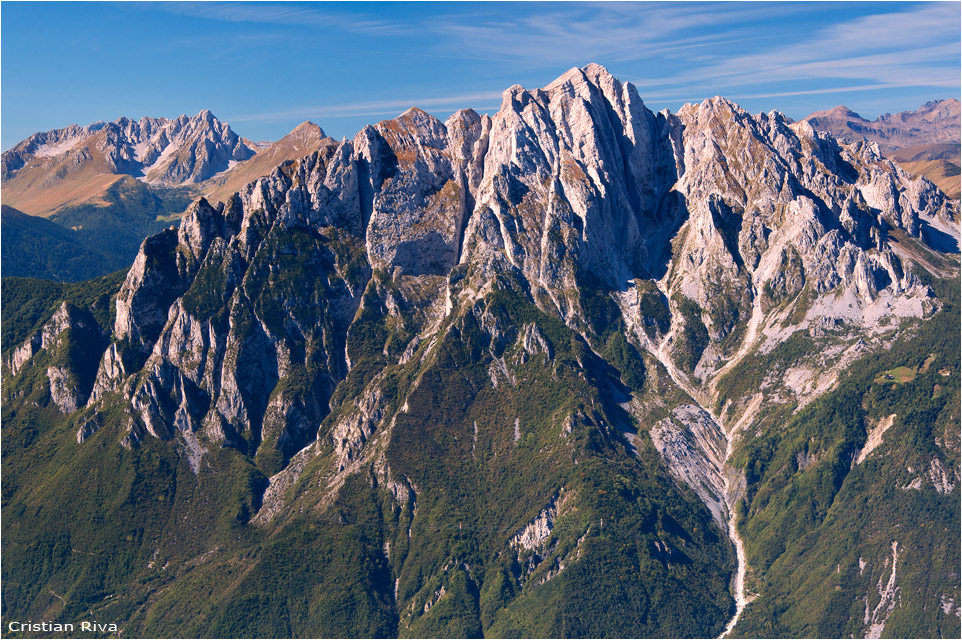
944	174
82	175
46	184
938	162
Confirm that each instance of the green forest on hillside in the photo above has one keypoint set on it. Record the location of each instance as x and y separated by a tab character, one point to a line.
83	241
811	515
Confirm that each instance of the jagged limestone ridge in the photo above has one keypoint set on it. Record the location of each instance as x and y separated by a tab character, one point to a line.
574	183
165	152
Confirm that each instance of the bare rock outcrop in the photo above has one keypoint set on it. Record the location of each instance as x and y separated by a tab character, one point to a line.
238	326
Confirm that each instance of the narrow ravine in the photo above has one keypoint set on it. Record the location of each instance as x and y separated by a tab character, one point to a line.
738	587
741	599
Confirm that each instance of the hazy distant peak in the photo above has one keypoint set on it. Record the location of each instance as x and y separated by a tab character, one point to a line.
936	121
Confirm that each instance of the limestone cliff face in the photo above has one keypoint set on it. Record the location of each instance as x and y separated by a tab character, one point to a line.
576	183
239	325
65	347
774	209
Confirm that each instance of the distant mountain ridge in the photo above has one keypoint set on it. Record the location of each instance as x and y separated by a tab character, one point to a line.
68	166
925	142
146	146
112	184
175	160
936	121
199	155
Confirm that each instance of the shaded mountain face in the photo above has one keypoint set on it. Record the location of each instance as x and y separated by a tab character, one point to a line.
522	375
33	246
925	142
88	240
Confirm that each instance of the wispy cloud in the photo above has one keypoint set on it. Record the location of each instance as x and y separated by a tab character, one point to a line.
674	51
818	91
708	40
589	32
538	34
891	48
289	15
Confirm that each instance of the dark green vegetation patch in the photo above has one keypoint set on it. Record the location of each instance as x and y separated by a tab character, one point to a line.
143	539
88	240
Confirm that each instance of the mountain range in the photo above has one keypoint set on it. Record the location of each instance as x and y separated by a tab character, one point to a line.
51	169
200	155
108	186
924	142
576	369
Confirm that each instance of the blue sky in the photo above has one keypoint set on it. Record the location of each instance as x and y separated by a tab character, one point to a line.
266	67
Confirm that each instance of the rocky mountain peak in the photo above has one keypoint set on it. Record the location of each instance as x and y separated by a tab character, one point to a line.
184	150
308	127
726	216
842	111
417	124
944	110
304	137
579	180
467	116
934	122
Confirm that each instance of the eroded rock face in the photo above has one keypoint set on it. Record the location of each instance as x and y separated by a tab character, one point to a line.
69	372
237	326
777	208
418	213
535	534
63	391
693	445
24	353
67	317
152	284
353	430
574	180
